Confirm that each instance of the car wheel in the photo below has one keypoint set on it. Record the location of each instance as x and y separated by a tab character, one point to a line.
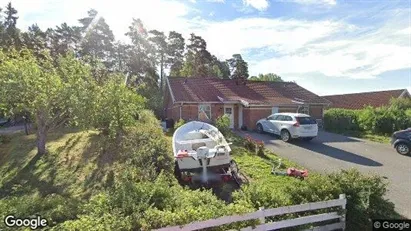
260	128
403	149
285	135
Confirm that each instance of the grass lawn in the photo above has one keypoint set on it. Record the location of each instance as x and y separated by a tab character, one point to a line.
368	136
71	167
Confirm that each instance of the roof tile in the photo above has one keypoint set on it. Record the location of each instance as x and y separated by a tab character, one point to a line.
254	92
360	100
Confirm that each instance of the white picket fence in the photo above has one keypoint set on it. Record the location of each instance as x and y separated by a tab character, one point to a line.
263	213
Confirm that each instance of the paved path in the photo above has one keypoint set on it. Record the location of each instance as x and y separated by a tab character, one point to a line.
11	130
330	152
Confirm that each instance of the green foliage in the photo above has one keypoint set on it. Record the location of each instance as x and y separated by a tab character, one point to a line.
250	144
50	93
147	151
339	120
382	120
179	123
267	77
4	139
55	208
116	106
238	67
365	198
223	124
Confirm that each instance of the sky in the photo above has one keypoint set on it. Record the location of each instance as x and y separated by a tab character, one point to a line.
326	46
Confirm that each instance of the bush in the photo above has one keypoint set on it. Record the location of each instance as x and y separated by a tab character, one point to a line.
4	139
365	196
382	120
223	124
55	208
179	123
340	120
250	144
260	148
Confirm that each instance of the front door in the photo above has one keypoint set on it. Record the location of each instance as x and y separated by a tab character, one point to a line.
229	111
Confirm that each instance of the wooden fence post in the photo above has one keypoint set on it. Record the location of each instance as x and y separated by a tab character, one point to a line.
342	219
262	218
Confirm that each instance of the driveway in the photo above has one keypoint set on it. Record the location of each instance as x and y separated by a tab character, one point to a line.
329	152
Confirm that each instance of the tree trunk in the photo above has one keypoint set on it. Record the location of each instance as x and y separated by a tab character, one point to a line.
41	133
161	74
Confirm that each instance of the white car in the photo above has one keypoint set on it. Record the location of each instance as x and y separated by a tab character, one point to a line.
289	126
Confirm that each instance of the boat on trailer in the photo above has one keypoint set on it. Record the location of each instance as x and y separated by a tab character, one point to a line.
202	154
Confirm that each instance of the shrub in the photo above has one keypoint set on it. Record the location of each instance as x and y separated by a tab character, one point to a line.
223	124
4	139
260	148
340	120
365	198
382	120
250	144
179	123
55	208
365	195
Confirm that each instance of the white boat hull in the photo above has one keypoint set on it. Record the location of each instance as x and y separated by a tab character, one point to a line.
193	135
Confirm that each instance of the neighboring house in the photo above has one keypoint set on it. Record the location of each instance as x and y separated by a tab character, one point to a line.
243	101
357	101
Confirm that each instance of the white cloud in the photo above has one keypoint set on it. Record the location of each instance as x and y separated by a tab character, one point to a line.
288	47
219	1
260	5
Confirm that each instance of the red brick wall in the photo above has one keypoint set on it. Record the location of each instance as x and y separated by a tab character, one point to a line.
217	110
316	112
287	109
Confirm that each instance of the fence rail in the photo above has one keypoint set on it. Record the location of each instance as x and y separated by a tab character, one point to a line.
263	213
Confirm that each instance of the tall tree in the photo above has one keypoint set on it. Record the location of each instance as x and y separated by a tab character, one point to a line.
238	67
175	52
87	21
219	69
35	39
50	94
63	39
267	77
97	40
141	58
11	34
198	59
158	41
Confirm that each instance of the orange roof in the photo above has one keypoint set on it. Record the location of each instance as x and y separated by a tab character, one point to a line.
360	100
254	92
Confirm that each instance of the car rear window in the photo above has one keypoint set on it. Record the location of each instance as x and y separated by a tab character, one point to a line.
306	120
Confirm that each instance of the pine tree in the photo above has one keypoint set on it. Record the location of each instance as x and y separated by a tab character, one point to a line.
238	67
158	41
98	39
175	52
11	34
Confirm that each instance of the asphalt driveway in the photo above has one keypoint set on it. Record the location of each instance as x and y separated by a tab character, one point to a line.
329	152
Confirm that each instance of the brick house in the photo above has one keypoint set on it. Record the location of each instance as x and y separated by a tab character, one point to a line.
358	101
243	101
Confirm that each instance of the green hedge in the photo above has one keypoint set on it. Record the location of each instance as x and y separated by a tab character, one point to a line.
382	120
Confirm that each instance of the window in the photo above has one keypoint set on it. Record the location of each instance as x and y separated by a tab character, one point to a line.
204	112
280	118
306	120
304	110
288	118
272	117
